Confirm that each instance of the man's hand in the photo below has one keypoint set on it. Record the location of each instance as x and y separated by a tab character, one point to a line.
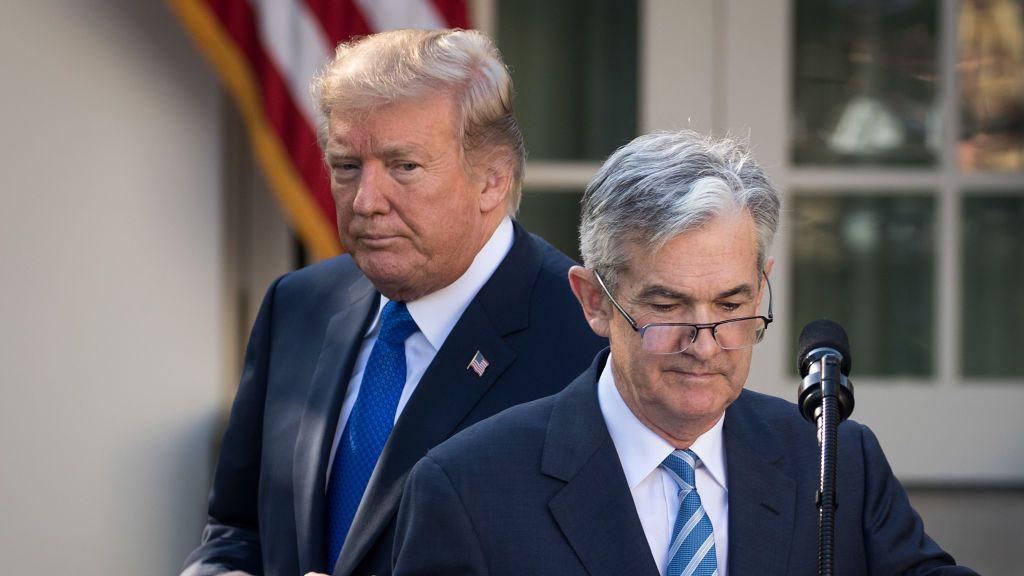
315	574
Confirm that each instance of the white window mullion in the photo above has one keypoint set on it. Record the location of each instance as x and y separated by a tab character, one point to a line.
889	181
483	16
947	306
559	175
677	69
948	281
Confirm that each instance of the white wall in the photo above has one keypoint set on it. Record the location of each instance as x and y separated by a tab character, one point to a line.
112	296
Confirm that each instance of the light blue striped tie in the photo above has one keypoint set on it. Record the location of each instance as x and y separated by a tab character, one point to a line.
692	552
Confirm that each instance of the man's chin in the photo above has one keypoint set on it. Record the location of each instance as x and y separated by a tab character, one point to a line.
387	272
701	396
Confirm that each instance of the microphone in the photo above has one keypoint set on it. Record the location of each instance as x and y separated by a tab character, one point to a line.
826	399
824	363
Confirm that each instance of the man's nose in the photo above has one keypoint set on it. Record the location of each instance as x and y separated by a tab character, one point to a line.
372	193
704	346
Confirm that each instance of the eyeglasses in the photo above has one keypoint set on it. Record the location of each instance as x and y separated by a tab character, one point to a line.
676	337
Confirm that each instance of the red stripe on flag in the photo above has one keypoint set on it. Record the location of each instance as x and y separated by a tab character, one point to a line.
453	12
298	137
340	19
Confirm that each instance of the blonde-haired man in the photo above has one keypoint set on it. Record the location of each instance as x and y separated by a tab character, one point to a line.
443	312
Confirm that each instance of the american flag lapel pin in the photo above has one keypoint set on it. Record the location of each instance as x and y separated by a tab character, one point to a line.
478	364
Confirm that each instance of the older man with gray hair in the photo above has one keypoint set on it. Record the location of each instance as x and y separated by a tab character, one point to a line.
656	460
443	312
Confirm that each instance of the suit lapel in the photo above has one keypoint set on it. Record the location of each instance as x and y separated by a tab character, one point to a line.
594	510
447	392
762	499
340	347
426	421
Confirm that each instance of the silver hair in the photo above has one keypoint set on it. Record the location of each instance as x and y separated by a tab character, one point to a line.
666	183
404	65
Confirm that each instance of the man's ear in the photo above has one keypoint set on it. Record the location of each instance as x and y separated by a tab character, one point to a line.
596	307
767	273
496	184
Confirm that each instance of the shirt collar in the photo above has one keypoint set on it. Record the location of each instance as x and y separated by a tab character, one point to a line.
640	449
437	313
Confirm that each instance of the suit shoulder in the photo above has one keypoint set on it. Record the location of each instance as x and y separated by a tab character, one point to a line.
558	302
553	275
323	281
553	260
769	406
784	417
329	271
511	434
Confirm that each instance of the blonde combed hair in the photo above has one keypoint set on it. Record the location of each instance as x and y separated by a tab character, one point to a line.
403	65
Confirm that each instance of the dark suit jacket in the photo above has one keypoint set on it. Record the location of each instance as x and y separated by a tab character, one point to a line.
539	489
267	501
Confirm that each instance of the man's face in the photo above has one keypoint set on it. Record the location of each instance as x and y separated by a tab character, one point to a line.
701	276
409	212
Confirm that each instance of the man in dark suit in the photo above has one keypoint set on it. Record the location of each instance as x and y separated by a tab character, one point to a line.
655	460
444	312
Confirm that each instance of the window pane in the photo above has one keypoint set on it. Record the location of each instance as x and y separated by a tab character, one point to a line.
574	66
993	286
555	217
865	82
991	66
868	263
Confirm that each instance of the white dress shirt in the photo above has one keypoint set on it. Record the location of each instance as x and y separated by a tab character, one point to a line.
655	494
435	314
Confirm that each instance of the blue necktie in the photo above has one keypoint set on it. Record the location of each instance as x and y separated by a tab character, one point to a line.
692	552
368	425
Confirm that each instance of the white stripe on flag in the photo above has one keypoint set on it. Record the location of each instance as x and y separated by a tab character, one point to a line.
297	45
391	14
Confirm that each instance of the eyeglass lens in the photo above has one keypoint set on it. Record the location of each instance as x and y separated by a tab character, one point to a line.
670	339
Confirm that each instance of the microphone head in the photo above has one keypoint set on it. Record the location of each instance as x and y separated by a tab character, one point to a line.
823	334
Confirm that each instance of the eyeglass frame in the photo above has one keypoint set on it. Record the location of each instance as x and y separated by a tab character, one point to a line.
712	326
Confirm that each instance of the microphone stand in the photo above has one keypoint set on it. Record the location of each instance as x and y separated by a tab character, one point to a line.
828	391
828	431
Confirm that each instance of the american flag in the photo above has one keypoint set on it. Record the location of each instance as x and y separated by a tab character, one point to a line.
478	364
266	53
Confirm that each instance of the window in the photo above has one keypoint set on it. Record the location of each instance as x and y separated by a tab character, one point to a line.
992	259
868	262
990	43
865	84
574	65
907	123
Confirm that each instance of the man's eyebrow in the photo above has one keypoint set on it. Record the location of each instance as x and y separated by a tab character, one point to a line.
741	290
340	151
336	154
399	150
661	291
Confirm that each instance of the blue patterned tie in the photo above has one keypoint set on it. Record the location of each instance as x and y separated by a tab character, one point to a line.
368	425
692	552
